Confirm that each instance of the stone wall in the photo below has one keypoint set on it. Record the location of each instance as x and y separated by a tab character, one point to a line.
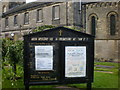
119	32
101	12
107	46
107	49
66	17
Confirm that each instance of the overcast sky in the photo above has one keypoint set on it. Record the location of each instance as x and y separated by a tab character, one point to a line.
64	0
26	0
30	0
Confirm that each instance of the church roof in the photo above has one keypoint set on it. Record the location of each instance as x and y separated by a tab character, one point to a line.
24	7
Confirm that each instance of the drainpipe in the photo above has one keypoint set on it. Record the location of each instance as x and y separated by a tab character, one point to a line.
67	13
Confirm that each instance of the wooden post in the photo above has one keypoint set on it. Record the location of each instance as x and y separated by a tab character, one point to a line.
89	86
26	87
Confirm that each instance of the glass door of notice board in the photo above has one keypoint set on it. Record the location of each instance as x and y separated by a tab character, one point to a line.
74	61
43	62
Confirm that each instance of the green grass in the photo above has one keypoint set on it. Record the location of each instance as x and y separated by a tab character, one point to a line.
105	80
13	84
107	64
114	69
101	79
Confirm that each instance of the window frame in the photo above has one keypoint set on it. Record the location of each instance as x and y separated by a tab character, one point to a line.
7	22
93	25
54	13
4	9
16	20
38	19
26	18
112	24
116	22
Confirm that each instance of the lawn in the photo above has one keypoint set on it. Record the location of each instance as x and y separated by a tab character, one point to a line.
103	78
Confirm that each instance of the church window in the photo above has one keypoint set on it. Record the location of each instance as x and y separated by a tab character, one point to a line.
39	15
15	20
56	12
26	18
93	25
4	9
112	24
6	22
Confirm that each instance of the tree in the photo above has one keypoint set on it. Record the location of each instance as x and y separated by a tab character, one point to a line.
12	52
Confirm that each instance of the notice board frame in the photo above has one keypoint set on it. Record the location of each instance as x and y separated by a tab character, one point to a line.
89	64
58	37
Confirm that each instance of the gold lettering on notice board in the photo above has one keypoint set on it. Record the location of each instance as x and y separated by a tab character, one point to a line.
33	39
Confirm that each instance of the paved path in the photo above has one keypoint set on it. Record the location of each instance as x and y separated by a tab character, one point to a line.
104	72
103	66
66	88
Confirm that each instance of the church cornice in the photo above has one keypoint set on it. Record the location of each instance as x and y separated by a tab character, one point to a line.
100	4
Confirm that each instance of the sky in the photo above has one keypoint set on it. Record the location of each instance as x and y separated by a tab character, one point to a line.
27	1
30	1
78	0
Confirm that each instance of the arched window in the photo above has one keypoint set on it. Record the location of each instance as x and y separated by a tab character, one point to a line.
6	22
112	24
26	18
93	25
15	20
39	15
112	18
4	9
56	12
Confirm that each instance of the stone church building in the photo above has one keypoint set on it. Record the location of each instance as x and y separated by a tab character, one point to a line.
101	19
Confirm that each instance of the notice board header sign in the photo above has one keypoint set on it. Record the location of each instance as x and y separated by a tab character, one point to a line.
58	56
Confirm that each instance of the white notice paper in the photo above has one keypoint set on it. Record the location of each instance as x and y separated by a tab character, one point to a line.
75	61
44	57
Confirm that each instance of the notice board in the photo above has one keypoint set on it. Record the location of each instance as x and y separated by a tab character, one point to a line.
58	56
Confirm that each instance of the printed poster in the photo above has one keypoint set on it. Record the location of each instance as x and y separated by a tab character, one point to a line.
44	57
75	61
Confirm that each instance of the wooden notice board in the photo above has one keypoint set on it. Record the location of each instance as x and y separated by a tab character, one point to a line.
58	56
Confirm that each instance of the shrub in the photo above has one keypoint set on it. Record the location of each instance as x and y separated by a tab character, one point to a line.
12	54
